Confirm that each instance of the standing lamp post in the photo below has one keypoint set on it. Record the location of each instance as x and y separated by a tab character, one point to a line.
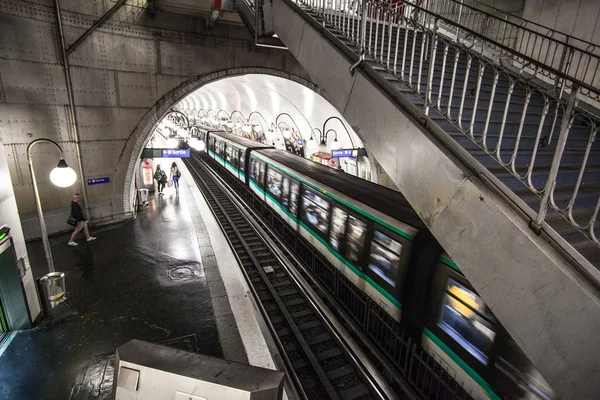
61	176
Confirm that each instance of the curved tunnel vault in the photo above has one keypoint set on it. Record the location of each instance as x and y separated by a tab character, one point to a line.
269	92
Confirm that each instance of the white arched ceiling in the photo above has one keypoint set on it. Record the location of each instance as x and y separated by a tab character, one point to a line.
271	96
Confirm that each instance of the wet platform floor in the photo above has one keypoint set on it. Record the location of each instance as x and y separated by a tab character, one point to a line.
154	278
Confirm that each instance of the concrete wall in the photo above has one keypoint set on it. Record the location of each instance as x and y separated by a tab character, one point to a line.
9	216
578	18
120	75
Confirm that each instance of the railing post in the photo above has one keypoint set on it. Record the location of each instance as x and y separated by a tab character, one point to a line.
563	59
434	42
363	29
560	147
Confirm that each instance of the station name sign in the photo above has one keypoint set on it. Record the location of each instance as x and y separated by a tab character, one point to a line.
352	153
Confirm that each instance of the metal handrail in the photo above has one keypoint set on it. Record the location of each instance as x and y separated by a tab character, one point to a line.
575	63
513	119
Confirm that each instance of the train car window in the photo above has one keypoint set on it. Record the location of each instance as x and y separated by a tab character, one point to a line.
222	149
261	174
253	169
242	163
274	179
385	257
211	144
235	158
356	237
285	192
467	320
315	212
338	228
294	195
229	155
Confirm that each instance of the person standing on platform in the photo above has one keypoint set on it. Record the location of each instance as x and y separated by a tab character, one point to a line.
161	179
82	224
175	174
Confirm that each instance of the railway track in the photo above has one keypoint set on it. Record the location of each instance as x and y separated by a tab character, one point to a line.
319	363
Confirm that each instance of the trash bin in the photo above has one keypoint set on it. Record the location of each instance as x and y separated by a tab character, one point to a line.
143	196
53	289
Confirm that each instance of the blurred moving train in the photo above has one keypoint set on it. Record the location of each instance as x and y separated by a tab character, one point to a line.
373	236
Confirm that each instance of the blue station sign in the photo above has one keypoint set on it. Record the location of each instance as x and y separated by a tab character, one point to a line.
351	153
96	181
175	153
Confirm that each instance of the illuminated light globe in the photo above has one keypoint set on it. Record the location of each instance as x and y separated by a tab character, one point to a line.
311	145
336	145
287	134
172	143
257	128
63	175
247	129
322	147
200	145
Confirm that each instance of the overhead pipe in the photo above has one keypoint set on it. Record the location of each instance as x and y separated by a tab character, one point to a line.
72	114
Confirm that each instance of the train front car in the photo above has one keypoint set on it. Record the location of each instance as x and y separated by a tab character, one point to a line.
231	151
383	251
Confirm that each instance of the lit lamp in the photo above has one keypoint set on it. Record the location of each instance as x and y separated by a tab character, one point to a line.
62	176
311	144
336	145
247	129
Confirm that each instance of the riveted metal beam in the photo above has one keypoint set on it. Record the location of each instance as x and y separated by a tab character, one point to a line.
96	24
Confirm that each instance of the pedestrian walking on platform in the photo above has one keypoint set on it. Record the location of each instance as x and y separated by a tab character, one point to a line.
175	175
78	218
161	179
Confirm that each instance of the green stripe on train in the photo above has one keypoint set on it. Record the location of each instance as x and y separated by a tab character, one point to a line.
450	263
351	206
459	361
463	365
356	271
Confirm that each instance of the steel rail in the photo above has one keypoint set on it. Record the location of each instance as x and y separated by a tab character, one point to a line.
282	261
293	384
292	263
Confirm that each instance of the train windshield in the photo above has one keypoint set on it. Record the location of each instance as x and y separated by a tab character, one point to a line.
315	211
466	318
385	257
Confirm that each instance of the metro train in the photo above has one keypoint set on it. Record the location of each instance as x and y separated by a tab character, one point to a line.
375	239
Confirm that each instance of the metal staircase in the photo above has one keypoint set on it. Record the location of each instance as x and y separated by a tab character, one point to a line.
530	125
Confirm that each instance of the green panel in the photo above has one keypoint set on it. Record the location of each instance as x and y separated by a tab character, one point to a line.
450	263
463	365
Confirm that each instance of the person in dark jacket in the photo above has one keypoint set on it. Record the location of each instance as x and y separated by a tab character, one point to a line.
161	179
77	213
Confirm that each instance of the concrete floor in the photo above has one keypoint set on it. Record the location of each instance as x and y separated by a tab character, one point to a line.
154	278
